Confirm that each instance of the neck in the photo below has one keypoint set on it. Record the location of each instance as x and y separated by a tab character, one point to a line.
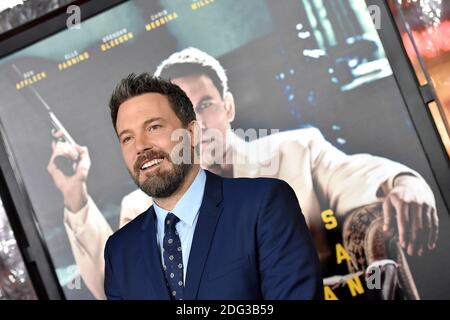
170	202
224	169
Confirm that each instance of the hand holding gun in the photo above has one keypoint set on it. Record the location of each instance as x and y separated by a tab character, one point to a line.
73	187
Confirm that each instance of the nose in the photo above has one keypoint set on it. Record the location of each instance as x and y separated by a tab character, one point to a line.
201	123
142	144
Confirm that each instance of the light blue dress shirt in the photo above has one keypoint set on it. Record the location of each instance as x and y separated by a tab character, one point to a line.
187	210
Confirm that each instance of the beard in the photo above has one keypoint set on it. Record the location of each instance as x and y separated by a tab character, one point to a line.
160	183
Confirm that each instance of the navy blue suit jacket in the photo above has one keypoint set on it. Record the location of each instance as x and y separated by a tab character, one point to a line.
250	242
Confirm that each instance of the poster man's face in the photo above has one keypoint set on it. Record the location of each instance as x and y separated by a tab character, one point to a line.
144	125
212	110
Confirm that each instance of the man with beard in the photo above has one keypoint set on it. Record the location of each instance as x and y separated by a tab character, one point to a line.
321	175
204	237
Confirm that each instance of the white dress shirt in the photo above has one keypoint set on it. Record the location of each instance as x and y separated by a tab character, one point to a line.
187	210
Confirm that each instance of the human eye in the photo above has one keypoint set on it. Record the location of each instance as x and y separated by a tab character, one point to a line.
154	127
126	139
204	105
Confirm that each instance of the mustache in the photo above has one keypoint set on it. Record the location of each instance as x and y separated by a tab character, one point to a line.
148	155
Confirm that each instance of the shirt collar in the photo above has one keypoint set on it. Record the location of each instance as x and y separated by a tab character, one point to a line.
188	206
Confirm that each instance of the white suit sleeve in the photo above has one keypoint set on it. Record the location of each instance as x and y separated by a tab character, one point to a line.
352	181
88	231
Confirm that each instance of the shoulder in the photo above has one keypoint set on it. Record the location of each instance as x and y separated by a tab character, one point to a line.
254	188
258	200
136	198
132	205
129	233
303	136
291	142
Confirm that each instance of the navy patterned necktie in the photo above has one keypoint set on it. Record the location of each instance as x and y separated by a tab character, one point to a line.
173	258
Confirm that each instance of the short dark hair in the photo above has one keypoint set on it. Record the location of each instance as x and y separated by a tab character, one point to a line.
190	62
181	70
135	85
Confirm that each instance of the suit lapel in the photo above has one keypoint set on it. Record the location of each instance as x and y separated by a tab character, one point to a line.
204	231
152	256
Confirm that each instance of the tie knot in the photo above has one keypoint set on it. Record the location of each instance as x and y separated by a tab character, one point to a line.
171	221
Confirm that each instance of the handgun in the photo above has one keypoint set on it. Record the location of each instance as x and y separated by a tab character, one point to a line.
66	165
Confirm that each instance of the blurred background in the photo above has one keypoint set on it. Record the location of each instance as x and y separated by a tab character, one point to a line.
425	30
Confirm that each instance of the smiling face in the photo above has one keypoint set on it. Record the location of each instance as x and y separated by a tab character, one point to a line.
145	124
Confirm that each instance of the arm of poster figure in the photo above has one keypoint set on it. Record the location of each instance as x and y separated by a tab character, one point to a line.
288	262
88	240
73	188
410	208
85	225
352	181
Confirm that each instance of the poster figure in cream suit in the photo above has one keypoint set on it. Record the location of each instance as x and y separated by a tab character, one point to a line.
315	169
